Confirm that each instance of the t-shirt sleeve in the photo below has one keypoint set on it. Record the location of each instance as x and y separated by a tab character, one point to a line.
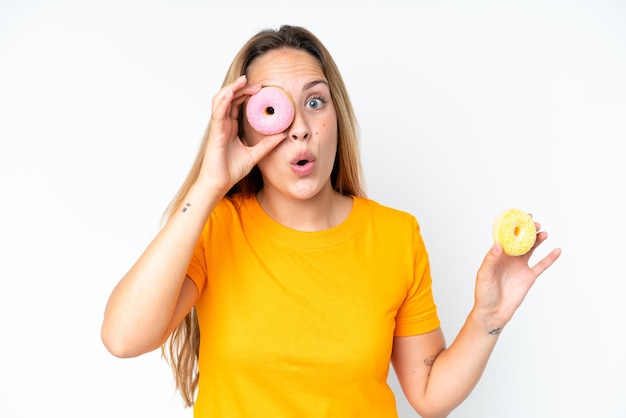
418	313
197	265
225	213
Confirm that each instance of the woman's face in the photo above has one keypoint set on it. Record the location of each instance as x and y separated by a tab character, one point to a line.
300	166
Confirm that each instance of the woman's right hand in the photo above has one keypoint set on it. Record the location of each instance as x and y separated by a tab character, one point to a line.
226	158
155	295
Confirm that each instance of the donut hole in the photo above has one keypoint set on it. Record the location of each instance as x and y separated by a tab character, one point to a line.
516	231
269	110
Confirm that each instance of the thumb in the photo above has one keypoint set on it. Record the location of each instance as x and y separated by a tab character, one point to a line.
264	146
496	250
491	260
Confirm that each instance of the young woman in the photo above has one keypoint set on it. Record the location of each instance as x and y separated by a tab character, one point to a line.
278	289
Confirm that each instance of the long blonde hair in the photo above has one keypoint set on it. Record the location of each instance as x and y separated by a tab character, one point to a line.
182	348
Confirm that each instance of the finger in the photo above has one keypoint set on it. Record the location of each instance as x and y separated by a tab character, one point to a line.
490	262
223	99
264	146
241	96
541	237
221	104
496	250
247	90
546	262
236	105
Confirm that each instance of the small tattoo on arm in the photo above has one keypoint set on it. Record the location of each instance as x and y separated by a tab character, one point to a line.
495	331
186	206
429	361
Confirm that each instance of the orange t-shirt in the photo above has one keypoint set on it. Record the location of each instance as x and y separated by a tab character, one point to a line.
301	324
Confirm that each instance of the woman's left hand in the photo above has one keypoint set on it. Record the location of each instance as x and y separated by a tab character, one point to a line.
503	281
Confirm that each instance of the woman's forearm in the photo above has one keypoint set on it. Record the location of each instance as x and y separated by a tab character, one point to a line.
139	311
457	370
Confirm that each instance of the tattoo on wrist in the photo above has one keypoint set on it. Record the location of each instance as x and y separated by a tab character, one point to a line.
495	331
186	206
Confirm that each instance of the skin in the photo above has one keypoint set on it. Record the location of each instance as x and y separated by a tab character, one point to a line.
437	380
155	295
301	200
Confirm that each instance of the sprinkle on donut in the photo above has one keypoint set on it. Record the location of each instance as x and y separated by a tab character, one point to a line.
270	111
515	231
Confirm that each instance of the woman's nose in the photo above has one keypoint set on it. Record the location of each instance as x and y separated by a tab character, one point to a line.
299	129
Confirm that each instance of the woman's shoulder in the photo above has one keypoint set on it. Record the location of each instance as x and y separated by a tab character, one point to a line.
383	213
230	206
381	208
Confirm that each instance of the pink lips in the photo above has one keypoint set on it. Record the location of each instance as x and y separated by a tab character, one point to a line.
303	164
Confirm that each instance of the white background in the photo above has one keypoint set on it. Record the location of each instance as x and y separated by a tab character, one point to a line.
466	108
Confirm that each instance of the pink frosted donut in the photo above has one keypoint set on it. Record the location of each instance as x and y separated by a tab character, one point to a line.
270	111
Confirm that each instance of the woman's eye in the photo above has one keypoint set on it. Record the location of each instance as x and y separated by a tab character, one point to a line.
315	103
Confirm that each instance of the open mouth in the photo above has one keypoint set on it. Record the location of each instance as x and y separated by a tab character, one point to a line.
302	162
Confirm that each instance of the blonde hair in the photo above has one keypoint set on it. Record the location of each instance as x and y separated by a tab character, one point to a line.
182	348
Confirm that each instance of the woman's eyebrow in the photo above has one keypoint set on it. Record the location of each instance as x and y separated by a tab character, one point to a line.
314	83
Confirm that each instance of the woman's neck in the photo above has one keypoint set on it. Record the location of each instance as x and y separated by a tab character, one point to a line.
325	210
